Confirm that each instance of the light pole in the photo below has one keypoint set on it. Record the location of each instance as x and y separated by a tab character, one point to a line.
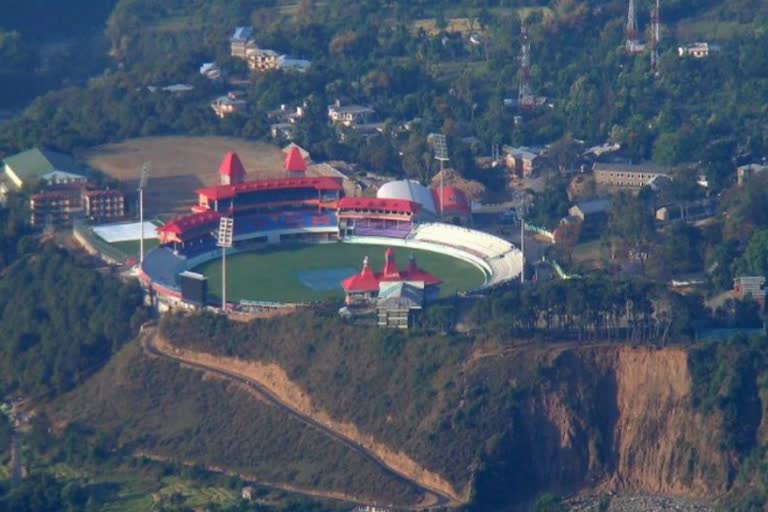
522	206
142	184
224	240
441	154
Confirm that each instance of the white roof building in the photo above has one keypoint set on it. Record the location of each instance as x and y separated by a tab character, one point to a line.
409	190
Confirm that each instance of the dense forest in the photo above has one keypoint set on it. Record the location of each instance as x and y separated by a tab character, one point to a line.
693	111
60	319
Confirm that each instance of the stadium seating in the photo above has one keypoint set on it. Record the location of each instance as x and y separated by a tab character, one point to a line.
162	265
476	242
290	219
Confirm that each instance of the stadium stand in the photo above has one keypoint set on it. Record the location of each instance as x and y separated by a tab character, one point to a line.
478	242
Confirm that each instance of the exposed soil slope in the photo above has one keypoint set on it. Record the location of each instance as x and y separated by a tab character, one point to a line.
153	406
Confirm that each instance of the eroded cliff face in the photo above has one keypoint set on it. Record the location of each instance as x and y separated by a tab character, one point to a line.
610	418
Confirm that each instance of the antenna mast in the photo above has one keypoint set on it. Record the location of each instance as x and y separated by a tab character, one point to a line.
632	44
655	37
524	95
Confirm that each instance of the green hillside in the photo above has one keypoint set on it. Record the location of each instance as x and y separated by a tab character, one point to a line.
160	408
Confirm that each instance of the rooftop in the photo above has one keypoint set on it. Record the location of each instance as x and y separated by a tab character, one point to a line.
229	191
374	203
645	168
34	163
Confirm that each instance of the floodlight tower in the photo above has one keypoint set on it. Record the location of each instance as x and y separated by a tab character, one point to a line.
441	155
655	37
224	240
632	44
524	95
142	185
522	207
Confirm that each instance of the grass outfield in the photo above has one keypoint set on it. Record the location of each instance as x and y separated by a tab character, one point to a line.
273	274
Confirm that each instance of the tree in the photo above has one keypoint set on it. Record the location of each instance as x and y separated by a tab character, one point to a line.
754	261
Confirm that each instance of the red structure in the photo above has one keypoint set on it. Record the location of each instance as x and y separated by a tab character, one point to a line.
321	191
294	162
231	169
371	216
189	227
452	202
363	287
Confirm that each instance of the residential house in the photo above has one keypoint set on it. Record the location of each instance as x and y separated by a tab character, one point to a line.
697	50
42	166
627	176
211	71
745	172
241	41
284	121
101	205
350	115
593	216
227	105
524	161
750	287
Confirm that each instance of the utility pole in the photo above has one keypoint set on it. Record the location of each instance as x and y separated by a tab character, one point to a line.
224	240
142	185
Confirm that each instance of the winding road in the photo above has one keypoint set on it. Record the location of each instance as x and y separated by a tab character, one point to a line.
433	498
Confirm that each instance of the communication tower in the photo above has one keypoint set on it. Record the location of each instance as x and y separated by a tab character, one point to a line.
525	98
632	44
655	37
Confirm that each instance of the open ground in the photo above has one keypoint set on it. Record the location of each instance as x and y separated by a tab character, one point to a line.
179	165
275	274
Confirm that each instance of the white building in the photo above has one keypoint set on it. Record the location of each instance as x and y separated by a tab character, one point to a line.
697	50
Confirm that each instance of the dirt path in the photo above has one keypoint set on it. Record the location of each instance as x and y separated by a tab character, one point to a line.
270	383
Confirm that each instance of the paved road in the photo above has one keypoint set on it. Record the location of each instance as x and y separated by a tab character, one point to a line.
441	500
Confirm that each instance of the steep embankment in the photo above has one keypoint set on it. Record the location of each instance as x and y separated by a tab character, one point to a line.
275	381
507	422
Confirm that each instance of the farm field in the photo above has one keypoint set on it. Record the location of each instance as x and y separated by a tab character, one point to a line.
296	274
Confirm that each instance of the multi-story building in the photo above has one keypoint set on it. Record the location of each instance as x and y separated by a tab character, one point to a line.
56	207
241	41
627	176
523	160
102	205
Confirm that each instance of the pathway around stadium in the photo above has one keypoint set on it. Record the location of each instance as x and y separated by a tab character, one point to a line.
433	499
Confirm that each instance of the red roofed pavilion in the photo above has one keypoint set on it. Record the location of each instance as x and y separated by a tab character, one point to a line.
231	169
362	288
294	162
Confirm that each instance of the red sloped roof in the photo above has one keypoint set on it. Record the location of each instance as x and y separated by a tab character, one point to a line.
182	224
232	166
294	162
229	191
374	203
455	201
414	273
365	281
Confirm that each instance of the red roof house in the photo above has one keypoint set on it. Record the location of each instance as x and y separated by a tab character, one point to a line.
451	201
231	169
294	162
